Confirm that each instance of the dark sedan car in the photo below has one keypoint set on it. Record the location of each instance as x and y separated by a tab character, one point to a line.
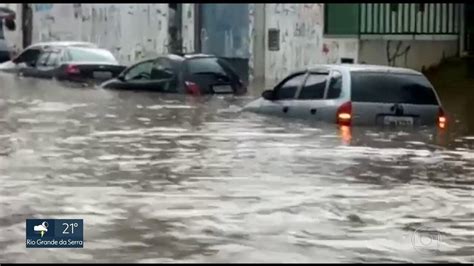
192	74
78	64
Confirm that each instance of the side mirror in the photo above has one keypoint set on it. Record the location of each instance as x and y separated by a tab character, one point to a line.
121	77
268	95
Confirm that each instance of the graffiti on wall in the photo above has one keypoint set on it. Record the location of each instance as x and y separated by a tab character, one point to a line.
399	51
251	35
43	7
300	37
131	31
187	30
331	52
77	10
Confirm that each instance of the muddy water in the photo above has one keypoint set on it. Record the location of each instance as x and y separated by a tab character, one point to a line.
163	178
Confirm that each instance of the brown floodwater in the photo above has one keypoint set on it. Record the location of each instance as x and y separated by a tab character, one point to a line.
170	178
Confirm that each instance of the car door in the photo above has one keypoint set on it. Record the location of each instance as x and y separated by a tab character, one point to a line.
47	70
164	75
26	58
319	98
33	69
283	103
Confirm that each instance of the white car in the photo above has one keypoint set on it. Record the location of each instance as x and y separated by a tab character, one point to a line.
32	53
350	94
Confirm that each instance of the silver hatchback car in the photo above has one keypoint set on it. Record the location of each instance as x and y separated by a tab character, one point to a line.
349	94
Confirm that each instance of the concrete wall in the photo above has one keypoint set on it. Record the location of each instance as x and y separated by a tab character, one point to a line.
257	41
187	29
301	40
130	31
414	54
136	31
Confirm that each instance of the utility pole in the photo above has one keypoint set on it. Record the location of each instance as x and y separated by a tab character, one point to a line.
26	24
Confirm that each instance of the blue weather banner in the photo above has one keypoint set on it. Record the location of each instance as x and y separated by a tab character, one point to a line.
54	233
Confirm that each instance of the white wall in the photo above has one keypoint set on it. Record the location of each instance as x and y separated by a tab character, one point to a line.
414	54
130	31
301	40
187	30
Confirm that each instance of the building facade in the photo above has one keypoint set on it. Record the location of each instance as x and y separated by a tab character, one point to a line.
263	41
409	35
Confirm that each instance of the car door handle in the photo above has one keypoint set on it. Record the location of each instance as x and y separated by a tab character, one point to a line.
312	111
285	109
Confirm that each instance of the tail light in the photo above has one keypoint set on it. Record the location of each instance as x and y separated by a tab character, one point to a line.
192	88
344	114
72	69
442	118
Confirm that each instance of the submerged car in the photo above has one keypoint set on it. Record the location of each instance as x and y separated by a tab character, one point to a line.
193	74
355	95
78	64
31	54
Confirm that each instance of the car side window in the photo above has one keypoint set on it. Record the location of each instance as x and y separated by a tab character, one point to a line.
53	59
161	69
42	59
314	86
142	71
288	88
28	56
335	86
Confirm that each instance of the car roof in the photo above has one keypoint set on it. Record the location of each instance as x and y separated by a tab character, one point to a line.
100	51
182	57
64	43
365	68
59	48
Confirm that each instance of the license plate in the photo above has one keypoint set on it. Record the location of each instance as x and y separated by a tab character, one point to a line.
398	121
102	75
222	89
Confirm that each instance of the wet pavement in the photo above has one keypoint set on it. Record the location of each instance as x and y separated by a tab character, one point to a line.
169	178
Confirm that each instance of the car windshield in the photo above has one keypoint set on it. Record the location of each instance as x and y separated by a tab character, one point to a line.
391	88
91	55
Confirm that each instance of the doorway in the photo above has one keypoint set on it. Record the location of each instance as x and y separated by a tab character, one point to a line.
174	28
223	30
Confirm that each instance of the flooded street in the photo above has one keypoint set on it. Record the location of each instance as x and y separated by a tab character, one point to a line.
169	178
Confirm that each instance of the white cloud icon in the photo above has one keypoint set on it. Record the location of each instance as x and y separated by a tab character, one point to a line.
41	227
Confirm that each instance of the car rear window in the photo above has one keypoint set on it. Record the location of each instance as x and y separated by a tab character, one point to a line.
91	55
209	65
391	88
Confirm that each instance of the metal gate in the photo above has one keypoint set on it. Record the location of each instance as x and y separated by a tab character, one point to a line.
224	32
